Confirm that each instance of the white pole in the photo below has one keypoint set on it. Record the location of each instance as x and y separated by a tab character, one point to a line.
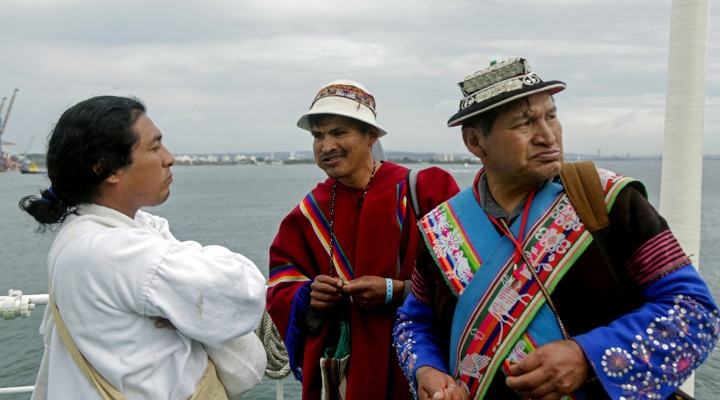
279	389
681	182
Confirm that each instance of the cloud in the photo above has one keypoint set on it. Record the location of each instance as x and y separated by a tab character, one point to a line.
222	75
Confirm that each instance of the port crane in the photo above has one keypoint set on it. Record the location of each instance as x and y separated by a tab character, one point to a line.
3	123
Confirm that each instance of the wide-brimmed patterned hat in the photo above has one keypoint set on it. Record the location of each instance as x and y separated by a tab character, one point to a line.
499	84
345	98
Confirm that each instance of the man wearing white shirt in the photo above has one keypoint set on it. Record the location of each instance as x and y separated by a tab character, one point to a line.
117	273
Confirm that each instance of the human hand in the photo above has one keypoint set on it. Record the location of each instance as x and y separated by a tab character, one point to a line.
325	291
162	323
433	384
366	291
551	371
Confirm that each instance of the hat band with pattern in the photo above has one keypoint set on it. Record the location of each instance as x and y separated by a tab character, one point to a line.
345	98
498	84
509	85
350	92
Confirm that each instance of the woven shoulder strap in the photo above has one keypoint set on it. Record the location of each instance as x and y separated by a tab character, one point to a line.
411	181
583	187
107	391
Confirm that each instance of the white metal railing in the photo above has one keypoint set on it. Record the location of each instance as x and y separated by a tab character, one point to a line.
17	389
15	305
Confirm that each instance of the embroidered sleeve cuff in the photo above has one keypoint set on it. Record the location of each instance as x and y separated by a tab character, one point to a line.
654	349
415	339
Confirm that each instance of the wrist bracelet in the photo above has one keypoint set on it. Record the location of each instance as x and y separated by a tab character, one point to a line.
388	290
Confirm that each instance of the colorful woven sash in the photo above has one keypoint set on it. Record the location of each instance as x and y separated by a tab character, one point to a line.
501	313
321	227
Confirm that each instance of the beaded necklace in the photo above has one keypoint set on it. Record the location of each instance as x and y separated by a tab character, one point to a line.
332	214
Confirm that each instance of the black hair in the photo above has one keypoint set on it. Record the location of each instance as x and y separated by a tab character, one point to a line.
362	126
91	141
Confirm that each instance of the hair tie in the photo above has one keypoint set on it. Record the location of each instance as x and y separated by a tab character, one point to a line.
53	197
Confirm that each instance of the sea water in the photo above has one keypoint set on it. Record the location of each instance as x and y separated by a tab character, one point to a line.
240	207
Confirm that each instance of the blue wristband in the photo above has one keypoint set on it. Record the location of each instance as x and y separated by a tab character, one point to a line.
388	290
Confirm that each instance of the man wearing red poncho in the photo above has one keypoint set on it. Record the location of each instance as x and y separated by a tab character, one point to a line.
342	259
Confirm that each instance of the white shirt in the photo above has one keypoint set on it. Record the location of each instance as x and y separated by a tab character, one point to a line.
109	274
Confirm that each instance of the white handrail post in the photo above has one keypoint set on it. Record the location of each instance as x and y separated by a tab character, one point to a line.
279	389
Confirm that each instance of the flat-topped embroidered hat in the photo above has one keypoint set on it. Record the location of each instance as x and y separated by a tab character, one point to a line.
499	84
346	98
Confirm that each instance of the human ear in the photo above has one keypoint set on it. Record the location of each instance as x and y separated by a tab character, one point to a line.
98	169
374	135
474	141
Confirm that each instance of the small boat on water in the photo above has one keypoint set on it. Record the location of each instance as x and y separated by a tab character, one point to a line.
32	168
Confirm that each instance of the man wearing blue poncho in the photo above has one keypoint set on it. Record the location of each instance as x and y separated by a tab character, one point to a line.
515	297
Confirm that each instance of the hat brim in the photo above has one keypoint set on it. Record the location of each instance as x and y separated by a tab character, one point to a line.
304	121
343	107
489	104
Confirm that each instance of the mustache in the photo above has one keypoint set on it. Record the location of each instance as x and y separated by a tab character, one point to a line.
331	154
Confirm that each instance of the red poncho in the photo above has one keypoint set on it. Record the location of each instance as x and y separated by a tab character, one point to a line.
379	239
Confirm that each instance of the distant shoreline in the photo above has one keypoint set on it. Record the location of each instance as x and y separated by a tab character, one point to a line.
397	157
305	157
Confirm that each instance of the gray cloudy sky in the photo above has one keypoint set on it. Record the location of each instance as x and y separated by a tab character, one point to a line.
234	75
